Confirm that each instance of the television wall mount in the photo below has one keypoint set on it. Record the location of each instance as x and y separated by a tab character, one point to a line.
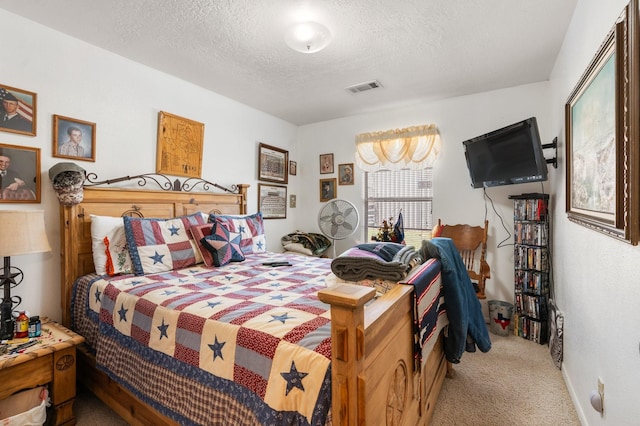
553	145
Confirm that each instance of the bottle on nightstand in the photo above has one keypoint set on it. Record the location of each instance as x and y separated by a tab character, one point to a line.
22	326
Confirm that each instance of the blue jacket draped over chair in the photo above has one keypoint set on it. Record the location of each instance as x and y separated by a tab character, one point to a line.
467	328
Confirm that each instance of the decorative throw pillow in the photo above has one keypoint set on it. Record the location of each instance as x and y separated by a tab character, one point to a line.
250	228
224	245
160	245
117	252
199	232
101	227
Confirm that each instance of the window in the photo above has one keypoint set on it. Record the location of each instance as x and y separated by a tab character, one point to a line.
387	192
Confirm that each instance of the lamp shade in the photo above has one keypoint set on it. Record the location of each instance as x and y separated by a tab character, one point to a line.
307	37
23	232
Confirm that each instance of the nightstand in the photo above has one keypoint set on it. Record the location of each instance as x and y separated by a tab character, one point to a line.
52	362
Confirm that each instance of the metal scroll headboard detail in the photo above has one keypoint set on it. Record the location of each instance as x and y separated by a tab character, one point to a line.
164	182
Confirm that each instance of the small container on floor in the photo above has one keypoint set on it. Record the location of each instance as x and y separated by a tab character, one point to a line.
500	317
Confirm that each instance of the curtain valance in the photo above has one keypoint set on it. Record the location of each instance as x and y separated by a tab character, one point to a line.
411	148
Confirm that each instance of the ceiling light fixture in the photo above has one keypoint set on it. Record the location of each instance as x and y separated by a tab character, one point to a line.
307	37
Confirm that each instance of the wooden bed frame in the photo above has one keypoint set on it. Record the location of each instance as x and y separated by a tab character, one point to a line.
373	376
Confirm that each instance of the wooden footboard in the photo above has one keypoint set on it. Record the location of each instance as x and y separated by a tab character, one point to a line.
372	359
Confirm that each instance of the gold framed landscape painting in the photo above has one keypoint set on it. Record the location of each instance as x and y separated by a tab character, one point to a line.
180	144
17	110
601	146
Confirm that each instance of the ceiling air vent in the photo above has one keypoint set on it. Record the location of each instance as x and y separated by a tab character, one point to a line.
362	87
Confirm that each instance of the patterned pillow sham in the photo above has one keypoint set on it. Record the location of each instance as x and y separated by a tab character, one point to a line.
199	232
160	245
250	228
223	244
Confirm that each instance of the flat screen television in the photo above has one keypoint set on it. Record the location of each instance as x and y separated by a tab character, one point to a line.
510	155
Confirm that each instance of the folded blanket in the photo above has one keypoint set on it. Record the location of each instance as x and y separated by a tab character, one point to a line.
387	261
313	244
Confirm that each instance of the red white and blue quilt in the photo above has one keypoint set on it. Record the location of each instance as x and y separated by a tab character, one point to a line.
256	333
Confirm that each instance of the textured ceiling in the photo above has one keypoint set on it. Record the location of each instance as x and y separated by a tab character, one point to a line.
418	49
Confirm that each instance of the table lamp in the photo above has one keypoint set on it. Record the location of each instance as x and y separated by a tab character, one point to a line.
22	232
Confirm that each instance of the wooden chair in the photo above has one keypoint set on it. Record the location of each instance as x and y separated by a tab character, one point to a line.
471	242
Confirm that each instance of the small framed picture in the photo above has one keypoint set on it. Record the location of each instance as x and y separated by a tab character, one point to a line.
272	164
19	174
272	201
293	168
17	111
73	138
327	189
326	163
345	174
180	145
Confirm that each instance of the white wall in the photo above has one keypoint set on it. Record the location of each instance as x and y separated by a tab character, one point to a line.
596	276
123	98
454	200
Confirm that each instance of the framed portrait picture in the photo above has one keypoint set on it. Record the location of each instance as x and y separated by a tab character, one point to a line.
293	168
19	174
272	201
327	189
272	164
345	174
17	110
73	138
180	142
326	164
601	155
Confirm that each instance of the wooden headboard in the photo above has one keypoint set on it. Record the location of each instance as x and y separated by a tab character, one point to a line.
75	222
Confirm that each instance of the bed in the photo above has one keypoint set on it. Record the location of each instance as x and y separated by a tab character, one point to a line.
373	373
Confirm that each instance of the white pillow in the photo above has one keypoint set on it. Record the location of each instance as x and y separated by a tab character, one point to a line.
101	226
117	250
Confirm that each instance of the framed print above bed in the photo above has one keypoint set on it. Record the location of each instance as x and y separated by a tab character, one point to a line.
272	201
17	111
73	138
602	131
273	163
19	174
180	143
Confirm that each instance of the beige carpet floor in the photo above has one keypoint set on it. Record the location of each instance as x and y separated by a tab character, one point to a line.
515	383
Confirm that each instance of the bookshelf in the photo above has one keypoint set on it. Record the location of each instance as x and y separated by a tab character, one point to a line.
531	266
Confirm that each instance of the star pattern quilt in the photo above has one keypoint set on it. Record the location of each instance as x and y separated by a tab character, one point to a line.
258	332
